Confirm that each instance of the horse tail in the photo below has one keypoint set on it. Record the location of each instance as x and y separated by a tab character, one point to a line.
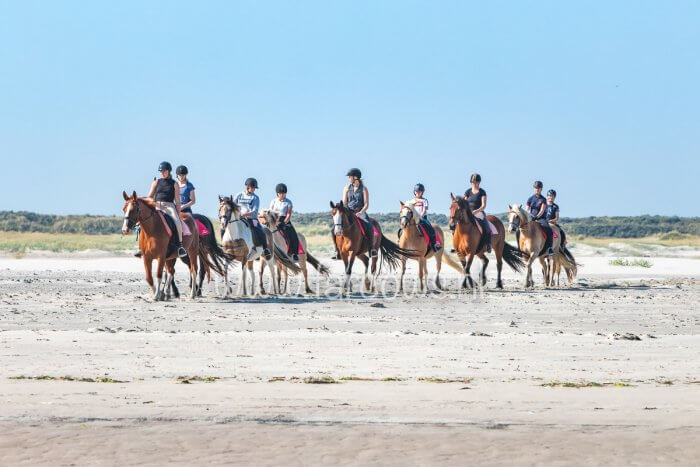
452	263
321	268
392	253
513	257
210	251
569	263
286	261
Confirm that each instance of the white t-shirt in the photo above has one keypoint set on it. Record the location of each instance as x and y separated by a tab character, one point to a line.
281	206
421	205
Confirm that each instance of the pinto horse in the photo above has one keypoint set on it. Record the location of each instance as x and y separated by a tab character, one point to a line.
352	244
467	242
154	241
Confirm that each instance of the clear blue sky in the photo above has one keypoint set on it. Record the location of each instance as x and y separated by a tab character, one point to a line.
600	100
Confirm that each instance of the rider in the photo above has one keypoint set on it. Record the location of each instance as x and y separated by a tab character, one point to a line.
250	203
356	198
476	197
166	193
187	198
282	206
551	214
536	203
421	206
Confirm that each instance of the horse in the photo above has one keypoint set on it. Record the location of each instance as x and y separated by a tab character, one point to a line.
532	245
467	242
271	219
412	238
352	244
237	242
154	241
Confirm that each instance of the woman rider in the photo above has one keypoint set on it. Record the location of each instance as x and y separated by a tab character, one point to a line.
356	198
476	197
282	206
166	193
551	215
421	206
249	204
187	198
535	205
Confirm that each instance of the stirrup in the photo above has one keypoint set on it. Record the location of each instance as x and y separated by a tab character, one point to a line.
437	248
138	254
295	257
373	253
267	254
181	252
550	252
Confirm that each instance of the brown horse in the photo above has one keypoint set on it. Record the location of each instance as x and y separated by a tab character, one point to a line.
353	244
467	241
154	241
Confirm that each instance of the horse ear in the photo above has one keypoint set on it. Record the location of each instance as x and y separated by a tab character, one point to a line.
453	197
133	195
510	206
401	203
126	198
332	205
220	198
340	204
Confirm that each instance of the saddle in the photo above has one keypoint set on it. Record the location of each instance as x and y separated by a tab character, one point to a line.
256	231
549	235
286	241
366	226
424	230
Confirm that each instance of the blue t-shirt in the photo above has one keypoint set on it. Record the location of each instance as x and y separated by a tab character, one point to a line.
551	211
536	203
185	196
249	202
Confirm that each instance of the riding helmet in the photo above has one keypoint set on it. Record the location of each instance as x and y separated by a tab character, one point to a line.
281	188
552	192
354	172
251	182
538	184
165	165
418	187
475	178
181	170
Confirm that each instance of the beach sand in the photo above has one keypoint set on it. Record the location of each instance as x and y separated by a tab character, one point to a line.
606	371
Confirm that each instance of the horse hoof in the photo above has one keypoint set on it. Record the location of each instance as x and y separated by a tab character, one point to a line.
499	284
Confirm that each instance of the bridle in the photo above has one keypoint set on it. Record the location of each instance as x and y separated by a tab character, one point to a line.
409	216
512	225
131	223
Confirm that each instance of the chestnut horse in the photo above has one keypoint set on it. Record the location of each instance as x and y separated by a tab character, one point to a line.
154	241
467	243
353	244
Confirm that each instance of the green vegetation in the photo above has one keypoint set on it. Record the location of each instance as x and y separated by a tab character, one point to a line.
320	380
584	384
67	378
200	379
19	242
642	263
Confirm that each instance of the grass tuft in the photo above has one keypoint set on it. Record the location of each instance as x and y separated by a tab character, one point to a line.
641	263
584	384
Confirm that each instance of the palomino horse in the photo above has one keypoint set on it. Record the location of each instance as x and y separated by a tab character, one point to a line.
467	241
353	244
154	241
412	238
271	219
237	241
532	245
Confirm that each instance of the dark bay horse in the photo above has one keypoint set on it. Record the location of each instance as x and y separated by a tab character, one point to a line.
467	243
154	241
353	244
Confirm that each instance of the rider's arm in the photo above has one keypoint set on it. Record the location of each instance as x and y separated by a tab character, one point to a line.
555	219
483	206
345	196
366	196
177	197
543	206
191	202
152	191
288	217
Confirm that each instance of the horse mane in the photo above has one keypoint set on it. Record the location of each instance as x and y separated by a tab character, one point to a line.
230	202
148	202
464	206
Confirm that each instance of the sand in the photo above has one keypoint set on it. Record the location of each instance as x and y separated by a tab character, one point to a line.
419	379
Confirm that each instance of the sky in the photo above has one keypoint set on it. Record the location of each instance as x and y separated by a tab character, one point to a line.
598	99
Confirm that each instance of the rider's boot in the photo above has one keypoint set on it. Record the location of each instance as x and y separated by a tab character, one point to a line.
138	254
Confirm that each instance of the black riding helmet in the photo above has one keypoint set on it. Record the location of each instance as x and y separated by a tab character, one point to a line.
354	172
281	188
419	187
181	170
537	184
475	178
552	192
251	182
165	165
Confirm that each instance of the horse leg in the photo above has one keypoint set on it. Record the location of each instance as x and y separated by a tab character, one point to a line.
201	279
468	281
438	266
499	264
148	266
348	270
272	266
244	279
263	264
374	273
159	279
545	275
305	271
402	273
484	265
193	273
365	261
227	288
251	271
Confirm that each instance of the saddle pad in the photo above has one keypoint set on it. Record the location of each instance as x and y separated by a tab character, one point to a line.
203	231
165	224
300	250
425	233
361	223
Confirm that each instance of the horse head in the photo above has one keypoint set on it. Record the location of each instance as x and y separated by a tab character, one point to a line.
407	214
132	211
460	211
269	218
340	214
517	217
229	212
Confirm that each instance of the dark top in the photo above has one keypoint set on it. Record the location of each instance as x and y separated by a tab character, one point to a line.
185	196
165	190
535	203
550	212
356	199
474	199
